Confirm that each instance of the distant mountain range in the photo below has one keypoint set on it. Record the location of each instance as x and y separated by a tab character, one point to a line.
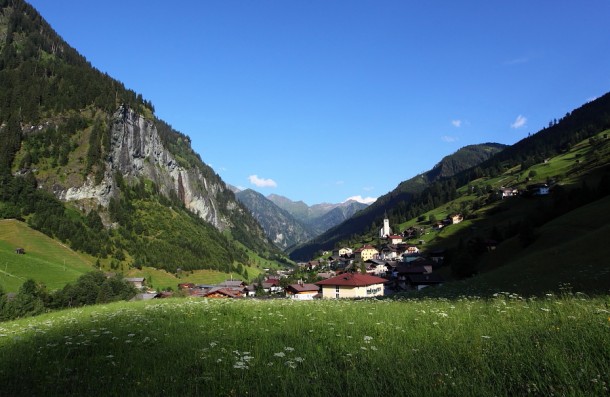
280	226
288	223
318	217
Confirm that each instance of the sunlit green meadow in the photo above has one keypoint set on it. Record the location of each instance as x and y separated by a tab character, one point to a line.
507	345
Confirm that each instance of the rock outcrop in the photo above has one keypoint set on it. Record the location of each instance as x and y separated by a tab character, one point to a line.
137	151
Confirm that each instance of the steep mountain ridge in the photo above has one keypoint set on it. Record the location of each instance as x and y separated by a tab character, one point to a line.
137	151
298	209
279	225
289	223
68	129
417	196
318	218
370	218
334	214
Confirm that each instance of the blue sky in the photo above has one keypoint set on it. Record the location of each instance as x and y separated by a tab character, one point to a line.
321	100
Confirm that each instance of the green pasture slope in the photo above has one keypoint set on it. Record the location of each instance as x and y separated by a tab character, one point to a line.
45	260
504	346
52	263
161	279
570	253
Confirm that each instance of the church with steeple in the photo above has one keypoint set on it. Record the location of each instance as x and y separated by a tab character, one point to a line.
385	230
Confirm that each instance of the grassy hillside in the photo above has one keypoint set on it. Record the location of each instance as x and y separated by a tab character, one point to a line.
45	260
568	244
570	253
54	264
161	280
467	347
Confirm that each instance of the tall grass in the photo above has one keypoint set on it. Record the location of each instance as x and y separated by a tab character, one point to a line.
467	347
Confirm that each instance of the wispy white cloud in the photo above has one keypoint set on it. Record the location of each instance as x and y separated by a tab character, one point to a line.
360	199
519	122
339	182
456	123
449	139
261	182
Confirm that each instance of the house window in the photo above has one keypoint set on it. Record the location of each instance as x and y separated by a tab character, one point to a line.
337	291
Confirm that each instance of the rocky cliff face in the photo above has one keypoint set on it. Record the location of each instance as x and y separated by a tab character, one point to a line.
137	151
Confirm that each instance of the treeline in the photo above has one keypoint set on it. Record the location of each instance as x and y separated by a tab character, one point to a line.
170	240
145	233
91	288
53	143
245	228
20	199
463	159
41	75
560	135
557	138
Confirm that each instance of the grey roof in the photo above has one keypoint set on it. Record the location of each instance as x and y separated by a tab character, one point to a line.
231	283
144	297
134	279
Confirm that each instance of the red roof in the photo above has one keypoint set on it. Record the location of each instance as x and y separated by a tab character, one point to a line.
353	280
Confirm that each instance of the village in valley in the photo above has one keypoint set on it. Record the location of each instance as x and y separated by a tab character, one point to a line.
366	272
393	265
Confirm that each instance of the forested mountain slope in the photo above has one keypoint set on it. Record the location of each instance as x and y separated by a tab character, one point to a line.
81	156
395	203
514	163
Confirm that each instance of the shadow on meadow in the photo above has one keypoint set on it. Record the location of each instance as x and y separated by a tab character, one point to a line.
507	345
